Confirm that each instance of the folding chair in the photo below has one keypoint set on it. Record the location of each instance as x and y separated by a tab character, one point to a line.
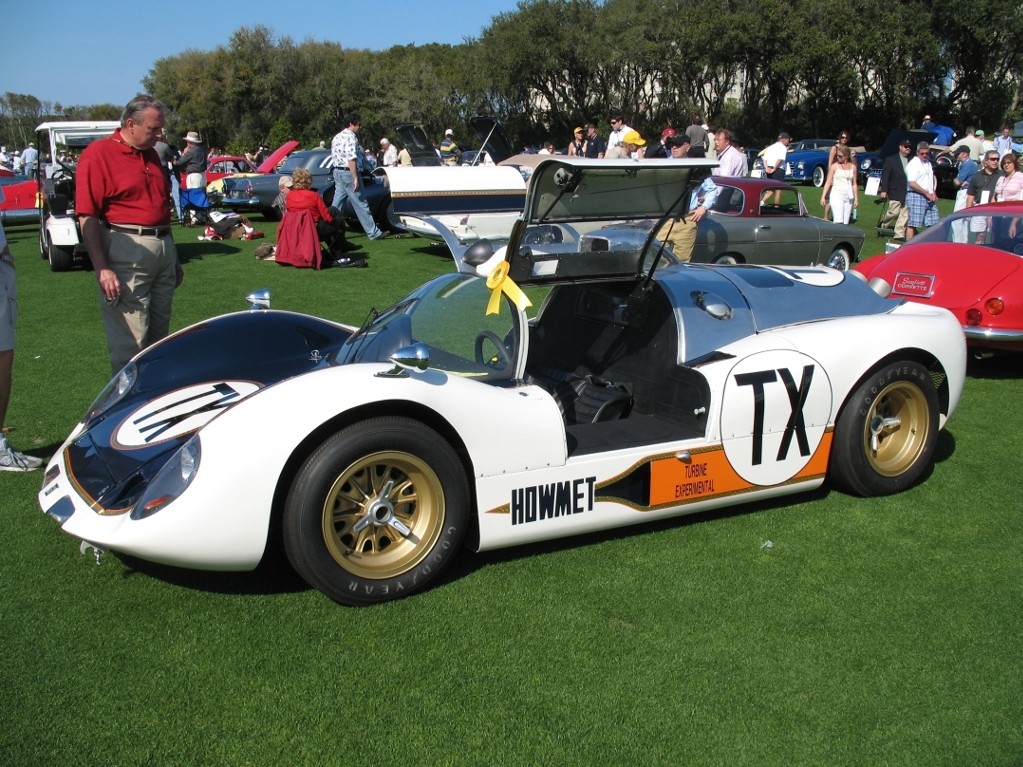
195	207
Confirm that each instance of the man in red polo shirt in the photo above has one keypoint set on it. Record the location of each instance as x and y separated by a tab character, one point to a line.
121	194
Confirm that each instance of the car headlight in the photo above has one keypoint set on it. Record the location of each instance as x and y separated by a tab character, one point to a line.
801	165
171	481
112	393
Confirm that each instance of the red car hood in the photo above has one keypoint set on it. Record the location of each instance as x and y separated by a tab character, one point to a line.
268	165
953	276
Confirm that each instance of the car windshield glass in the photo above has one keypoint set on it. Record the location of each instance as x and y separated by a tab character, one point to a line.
1001	231
449	316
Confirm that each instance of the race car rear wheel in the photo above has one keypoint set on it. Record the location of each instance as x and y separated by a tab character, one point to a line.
886	433
377	511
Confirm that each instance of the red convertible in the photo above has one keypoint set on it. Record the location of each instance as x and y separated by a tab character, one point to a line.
969	263
221	166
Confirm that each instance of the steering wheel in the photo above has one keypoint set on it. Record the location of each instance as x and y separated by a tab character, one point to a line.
498	362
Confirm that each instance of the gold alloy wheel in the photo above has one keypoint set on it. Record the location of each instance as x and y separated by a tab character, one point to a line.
896	429
383	514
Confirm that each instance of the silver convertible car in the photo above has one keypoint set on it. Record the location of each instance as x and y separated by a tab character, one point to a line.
463	417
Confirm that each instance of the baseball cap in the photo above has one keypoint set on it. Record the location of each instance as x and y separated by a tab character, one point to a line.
633	137
667	133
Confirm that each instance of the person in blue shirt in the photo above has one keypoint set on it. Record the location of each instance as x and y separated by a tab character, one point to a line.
680	232
967	169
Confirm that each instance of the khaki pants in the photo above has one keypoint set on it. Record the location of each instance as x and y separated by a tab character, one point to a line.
898	213
147	269
680	235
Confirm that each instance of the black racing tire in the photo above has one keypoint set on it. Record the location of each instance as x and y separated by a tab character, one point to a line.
841	258
499	361
377	511
885	436
819	176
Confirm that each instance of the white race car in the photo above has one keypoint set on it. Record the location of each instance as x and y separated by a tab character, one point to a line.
641	389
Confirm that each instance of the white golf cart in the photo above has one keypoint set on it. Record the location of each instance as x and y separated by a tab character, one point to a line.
60	240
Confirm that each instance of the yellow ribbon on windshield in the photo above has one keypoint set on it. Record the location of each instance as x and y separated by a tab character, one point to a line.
499	282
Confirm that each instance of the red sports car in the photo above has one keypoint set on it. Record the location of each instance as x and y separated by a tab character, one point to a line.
969	263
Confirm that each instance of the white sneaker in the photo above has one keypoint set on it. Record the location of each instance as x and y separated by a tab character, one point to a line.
12	460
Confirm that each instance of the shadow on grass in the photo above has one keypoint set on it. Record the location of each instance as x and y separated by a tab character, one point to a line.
274	575
196	251
464	566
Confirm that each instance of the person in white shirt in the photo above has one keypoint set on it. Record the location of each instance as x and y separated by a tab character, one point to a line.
618	131
731	162
774	161
921	198
388	153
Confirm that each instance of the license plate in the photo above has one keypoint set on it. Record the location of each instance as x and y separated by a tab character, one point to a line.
910	284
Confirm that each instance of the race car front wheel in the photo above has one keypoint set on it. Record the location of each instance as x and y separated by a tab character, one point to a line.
886	433
377	511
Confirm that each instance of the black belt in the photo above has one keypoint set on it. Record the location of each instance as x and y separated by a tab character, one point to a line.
140	231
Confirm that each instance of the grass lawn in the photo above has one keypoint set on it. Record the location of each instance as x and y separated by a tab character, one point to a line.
821	630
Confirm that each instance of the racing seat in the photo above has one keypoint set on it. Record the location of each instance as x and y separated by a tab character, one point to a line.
585	398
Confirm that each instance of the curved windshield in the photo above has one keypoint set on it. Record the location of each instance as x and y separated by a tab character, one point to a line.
999	229
449	316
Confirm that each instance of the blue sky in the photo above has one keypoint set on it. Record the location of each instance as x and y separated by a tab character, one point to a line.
92	52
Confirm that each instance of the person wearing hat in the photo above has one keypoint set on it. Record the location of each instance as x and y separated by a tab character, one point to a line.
660	150
577	146
966	171
193	161
630	147
595	145
449	151
893	188
986	144
679	146
971	140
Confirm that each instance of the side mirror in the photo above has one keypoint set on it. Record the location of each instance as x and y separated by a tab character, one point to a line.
413	357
